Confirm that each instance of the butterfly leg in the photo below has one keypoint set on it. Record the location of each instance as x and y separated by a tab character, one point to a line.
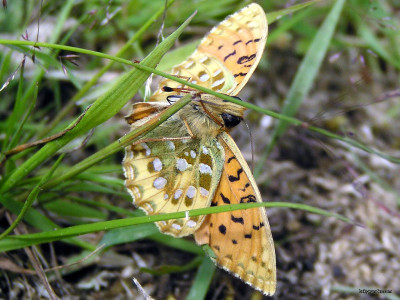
210	114
188	128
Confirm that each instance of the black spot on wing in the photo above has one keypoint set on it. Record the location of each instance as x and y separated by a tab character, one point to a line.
248	199
237	178
237	42
230	54
230	159
234	242
222	229
237	220
219	47
245	187
256	227
245	59
252	41
247	236
225	199
240	74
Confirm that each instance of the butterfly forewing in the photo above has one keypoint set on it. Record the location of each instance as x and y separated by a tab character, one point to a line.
241	239
165	176
239	43
227	56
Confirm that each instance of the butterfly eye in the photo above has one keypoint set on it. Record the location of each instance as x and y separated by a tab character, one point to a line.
230	121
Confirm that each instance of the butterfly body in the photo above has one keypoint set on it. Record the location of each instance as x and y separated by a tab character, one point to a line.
190	161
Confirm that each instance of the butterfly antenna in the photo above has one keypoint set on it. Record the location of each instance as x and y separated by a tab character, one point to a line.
251	145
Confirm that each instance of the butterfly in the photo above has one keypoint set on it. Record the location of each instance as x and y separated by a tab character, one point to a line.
190	161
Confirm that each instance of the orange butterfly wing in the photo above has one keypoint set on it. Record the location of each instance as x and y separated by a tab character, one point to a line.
241	239
225	58
238	42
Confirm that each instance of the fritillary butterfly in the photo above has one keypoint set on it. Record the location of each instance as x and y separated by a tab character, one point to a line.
190	161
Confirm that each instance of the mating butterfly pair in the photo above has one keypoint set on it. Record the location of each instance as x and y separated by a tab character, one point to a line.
190	161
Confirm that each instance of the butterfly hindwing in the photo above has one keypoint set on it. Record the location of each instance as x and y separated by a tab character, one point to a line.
165	176
241	239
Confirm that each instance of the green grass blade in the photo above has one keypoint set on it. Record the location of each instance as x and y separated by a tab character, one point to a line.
39	74
37	220
32	197
309	67
306	74
102	109
276	15
373	42
18	126
202	280
168	269
104	69
46	237
286	24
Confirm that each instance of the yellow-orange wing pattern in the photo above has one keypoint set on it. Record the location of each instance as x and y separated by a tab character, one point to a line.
227	57
241	239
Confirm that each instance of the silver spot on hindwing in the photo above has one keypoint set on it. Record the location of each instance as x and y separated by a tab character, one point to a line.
134	192
148	150
191	224
203	59
170	145
204	77
178	194
205	169
182	164
176	226
189	64
191	192
159	183
157	164
148	208
217	72
218	82
203	192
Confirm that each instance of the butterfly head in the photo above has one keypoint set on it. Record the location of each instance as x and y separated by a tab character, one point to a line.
224	113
